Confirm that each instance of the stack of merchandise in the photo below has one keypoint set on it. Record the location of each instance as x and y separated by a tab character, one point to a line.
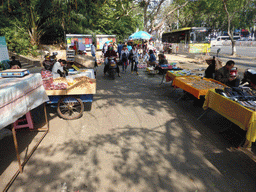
242	95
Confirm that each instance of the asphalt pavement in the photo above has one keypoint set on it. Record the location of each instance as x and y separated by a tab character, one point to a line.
134	137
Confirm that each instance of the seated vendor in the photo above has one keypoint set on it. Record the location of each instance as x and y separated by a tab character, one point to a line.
210	71
152	59
15	64
58	69
162	61
223	75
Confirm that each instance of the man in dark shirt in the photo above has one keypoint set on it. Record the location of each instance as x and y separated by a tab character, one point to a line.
15	62
223	75
110	53
210	71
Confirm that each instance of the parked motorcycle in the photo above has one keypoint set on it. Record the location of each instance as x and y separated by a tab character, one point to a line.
249	78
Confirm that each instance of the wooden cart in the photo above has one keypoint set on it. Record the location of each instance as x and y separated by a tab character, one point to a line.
70	102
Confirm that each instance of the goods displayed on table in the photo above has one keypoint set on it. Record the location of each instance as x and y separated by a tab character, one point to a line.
14	73
183	72
242	95
200	83
81	81
169	66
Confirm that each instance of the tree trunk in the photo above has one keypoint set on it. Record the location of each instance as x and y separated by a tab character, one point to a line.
233	47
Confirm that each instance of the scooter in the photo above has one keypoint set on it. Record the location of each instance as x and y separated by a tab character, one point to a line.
250	78
112	67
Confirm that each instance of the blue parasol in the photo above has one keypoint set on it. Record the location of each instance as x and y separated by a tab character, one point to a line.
140	35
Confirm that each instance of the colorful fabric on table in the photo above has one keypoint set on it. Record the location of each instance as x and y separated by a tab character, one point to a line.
20	95
233	111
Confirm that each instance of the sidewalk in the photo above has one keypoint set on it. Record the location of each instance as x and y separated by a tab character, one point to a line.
135	138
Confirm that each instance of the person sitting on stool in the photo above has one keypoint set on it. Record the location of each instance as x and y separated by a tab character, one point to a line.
162	61
15	64
210	71
223	75
152	59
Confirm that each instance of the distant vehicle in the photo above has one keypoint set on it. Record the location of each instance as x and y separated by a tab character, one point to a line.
188	40
220	39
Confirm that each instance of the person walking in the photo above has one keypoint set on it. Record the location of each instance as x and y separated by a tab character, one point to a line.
124	58
93	50
134	59
115	46
119	49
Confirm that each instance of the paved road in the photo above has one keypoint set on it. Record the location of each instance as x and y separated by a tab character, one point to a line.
241	51
135	138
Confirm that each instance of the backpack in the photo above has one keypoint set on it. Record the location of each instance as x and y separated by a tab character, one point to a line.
131	55
124	57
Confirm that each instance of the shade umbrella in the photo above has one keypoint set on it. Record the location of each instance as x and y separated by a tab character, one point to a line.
140	35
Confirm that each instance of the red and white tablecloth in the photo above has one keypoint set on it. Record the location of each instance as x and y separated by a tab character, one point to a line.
20	95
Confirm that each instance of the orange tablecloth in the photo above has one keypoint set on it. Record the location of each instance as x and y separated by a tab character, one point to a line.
233	111
197	86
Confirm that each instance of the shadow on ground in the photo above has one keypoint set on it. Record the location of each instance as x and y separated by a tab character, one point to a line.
182	154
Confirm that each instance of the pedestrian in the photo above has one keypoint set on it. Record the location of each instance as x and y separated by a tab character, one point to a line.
134	59
124	58
104	48
119	49
223	75
115	46
93	51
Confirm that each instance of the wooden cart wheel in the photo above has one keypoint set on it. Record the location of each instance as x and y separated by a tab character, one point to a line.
70	107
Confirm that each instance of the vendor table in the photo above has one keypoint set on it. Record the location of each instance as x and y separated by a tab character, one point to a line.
17	97
197	86
171	75
233	111
166	69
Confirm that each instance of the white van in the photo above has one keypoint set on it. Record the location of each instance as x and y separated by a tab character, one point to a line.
220	39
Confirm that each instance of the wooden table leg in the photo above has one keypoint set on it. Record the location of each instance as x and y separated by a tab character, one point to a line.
16	148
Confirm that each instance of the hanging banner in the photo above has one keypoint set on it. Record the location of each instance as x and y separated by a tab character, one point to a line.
3	49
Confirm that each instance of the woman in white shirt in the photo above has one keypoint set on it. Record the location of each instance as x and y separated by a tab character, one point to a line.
58	69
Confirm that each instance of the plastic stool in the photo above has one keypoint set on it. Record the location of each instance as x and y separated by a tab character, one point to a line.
28	119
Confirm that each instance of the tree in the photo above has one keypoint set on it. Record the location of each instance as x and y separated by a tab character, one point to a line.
233	9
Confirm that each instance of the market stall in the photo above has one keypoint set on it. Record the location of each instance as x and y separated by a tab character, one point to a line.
242	116
197	86
18	96
71	92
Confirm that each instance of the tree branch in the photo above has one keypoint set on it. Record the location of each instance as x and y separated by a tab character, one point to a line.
169	13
